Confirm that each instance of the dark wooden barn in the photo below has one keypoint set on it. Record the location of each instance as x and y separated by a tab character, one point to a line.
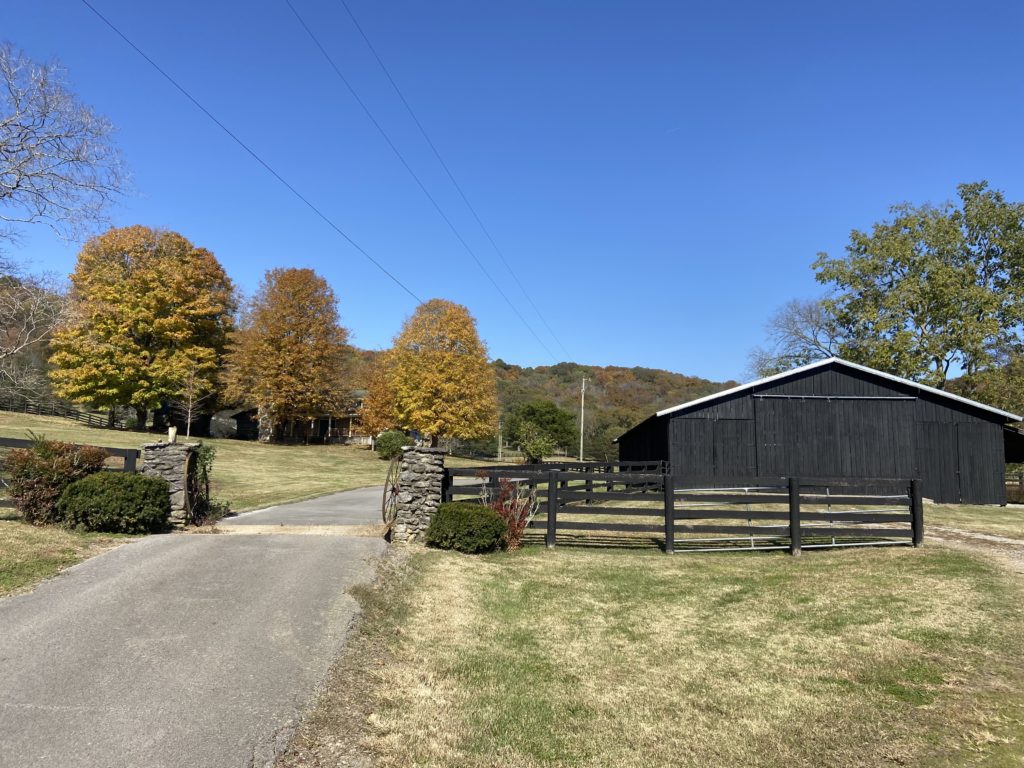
834	418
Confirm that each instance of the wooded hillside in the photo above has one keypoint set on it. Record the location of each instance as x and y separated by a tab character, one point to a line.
617	398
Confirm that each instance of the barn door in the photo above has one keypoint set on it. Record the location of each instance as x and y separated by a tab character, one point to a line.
692	448
735	449
982	463
937	461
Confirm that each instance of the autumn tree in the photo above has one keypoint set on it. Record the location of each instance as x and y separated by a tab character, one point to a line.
58	163
290	356
442	383
934	289
147	307
378	412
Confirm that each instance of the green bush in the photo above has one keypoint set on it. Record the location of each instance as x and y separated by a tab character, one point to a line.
390	444
38	475
466	527
207	510
116	502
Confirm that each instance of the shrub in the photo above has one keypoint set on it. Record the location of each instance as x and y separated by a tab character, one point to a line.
516	504
466	527
390	444
206	510
39	474
116	502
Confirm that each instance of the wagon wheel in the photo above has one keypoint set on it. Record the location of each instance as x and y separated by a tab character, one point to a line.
392	487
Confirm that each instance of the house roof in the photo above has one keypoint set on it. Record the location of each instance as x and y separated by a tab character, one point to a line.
846	364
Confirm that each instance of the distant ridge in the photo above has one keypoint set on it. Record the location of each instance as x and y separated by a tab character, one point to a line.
617	397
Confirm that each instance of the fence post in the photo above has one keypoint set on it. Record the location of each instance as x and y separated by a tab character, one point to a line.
590	484
794	516
916	513
446	486
552	506
670	514
492	489
130	458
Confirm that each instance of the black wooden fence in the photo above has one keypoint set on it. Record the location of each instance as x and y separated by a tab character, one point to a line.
129	463
1015	487
637	501
24	405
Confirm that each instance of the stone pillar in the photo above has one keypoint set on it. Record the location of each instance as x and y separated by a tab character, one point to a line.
175	463
419	492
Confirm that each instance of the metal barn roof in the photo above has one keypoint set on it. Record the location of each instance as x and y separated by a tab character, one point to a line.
847	364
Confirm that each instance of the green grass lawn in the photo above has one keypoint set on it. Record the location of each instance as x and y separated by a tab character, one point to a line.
574	657
1001	521
246	474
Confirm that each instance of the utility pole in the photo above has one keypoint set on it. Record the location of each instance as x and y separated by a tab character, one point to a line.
583	400
499	439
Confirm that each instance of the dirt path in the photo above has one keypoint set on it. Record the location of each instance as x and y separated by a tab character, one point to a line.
1008	552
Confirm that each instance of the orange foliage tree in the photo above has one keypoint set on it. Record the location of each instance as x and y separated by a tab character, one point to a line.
147	307
436	378
378	411
290	357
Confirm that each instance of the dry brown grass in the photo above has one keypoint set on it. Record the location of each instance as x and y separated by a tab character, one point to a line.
29	554
591	658
999	521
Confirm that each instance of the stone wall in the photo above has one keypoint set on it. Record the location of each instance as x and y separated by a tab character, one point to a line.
422	470
175	463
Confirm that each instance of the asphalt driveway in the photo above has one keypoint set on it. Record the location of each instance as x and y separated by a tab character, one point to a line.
176	650
359	507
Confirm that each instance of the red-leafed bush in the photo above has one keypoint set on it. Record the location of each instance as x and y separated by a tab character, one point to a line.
38	475
516	504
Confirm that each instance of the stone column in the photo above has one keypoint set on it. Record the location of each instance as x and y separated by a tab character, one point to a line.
422	470
175	463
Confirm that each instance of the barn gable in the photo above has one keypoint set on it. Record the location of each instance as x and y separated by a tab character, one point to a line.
833	419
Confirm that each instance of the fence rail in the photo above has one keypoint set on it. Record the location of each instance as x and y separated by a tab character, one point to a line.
130	463
753	513
1014	487
22	405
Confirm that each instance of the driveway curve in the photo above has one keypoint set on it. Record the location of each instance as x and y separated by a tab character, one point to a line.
177	650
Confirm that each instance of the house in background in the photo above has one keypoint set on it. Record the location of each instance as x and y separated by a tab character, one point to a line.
835	419
343	428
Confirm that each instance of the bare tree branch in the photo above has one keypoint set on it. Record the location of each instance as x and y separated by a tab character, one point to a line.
30	308
800	332
193	395
58	164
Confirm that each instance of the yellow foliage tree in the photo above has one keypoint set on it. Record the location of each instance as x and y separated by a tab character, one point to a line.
291	356
378	410
440	380
148	309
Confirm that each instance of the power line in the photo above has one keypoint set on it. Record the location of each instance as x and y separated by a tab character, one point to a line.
451	176
251	152
415	176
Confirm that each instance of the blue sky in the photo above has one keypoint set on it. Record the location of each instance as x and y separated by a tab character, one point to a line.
659	174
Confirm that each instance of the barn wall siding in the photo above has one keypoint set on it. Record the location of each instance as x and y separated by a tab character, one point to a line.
876	428
647	441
